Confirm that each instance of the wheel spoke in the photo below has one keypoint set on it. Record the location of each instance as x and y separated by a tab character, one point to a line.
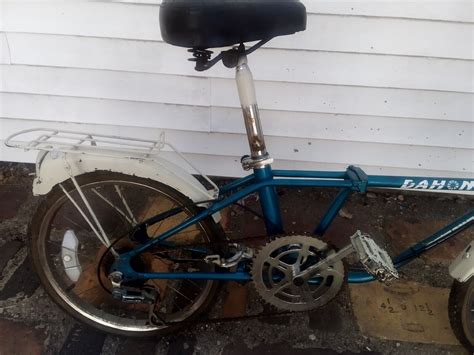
117	205
180	293
108	202
124	201
77	224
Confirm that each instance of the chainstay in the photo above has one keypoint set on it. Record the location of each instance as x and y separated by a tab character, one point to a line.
216	244
188	323
218	320
194	322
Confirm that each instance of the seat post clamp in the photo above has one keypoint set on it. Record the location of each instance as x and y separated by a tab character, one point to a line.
249	163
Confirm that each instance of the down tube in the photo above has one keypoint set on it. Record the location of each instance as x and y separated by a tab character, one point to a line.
444	234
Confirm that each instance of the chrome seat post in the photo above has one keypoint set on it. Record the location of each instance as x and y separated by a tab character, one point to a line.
259	159
259	156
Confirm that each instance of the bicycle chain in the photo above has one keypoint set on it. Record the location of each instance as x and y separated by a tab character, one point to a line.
214	244
186	323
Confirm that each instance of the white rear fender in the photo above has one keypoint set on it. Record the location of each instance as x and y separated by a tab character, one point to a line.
52	169
462	268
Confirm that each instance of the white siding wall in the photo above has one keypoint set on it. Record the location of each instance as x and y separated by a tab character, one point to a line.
387	85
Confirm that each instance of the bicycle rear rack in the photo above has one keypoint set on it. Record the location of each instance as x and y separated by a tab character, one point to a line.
73	142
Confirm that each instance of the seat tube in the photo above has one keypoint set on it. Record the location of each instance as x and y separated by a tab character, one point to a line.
259	159
269	202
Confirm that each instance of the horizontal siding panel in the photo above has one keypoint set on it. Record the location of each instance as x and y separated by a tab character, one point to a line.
319	151
100	19
369	83
215	165
377	129
267	64
106	84
273	96
352	100
90	110
384	36
458	10
447	10
325	32
434	133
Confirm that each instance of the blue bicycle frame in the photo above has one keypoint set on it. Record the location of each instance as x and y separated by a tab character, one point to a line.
264	180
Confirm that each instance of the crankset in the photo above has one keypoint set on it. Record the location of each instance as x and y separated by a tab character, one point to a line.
279	270
373	258
297	273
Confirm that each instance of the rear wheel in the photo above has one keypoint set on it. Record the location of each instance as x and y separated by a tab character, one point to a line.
119	202
461	312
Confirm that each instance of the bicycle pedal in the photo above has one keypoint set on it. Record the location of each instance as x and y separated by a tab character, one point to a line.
375	260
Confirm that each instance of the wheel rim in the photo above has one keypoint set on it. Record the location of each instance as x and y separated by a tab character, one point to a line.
181	299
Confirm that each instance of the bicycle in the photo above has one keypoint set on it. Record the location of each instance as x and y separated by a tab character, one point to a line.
129	243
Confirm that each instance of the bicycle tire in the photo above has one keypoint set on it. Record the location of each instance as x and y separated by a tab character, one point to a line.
460	297
41	227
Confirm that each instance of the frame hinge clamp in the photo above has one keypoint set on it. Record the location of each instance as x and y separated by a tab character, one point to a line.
359	178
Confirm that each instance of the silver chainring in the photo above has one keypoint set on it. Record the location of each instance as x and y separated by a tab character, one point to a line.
278	264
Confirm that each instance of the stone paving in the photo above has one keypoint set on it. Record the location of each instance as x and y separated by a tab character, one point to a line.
30	323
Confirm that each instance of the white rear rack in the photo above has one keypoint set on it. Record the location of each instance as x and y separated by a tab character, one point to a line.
46	139
73	142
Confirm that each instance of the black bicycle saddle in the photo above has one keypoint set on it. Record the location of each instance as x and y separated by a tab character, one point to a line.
201	24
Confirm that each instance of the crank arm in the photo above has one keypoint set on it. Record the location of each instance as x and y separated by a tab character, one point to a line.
326	263
374	259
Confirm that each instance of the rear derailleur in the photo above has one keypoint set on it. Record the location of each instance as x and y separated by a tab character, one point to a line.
133	295
127	294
